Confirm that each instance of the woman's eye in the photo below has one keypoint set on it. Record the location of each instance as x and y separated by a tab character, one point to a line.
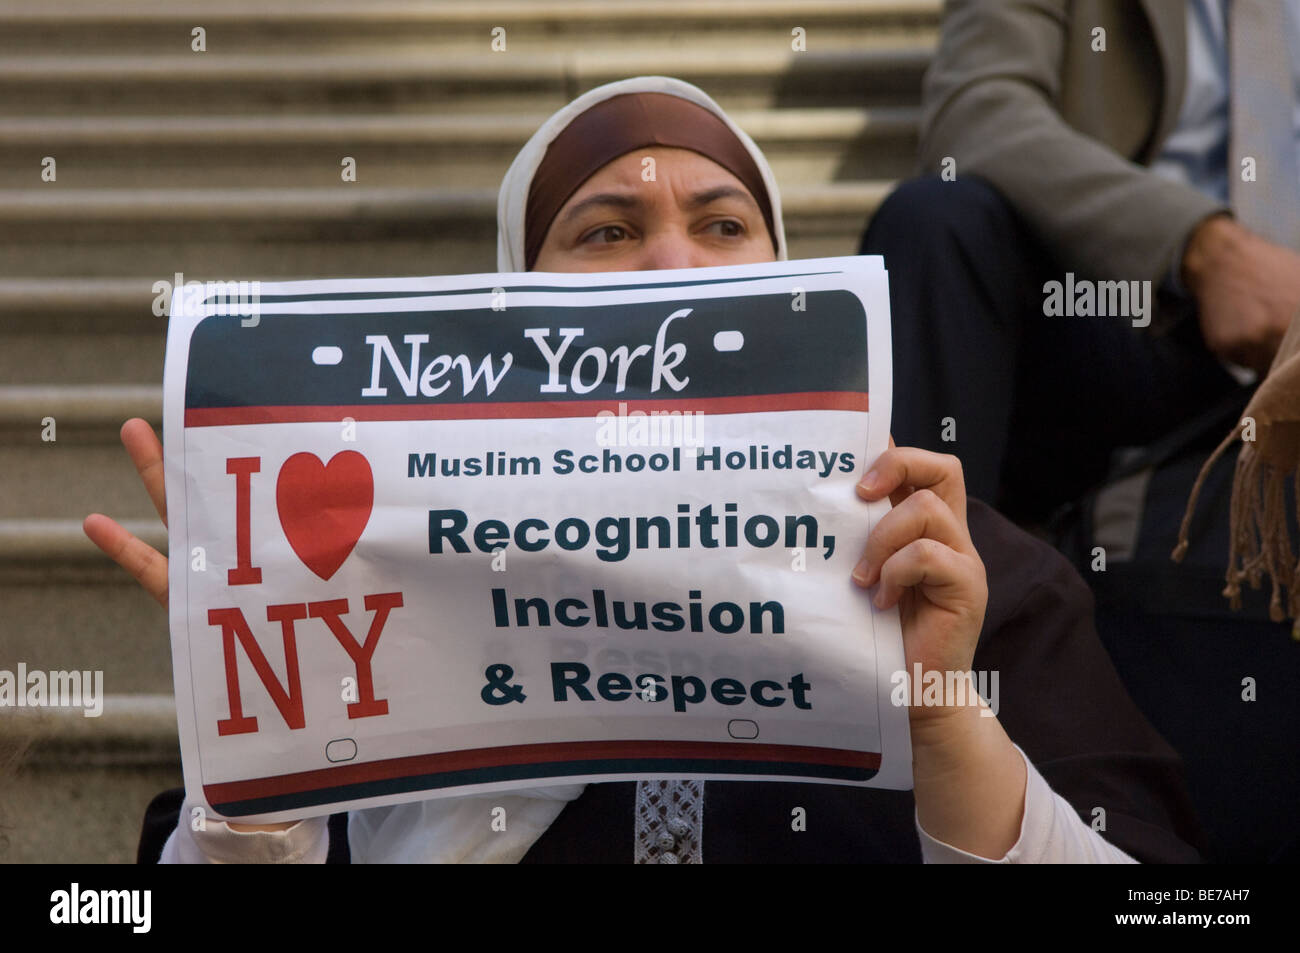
619	231
730	227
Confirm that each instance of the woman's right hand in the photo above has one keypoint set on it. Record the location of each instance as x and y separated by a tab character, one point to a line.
146	564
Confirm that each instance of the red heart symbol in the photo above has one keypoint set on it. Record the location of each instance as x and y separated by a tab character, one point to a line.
323	508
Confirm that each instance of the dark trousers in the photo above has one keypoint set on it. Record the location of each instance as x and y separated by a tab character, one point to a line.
1038	404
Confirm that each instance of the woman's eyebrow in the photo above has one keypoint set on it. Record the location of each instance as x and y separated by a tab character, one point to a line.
627	201
615	199
703	198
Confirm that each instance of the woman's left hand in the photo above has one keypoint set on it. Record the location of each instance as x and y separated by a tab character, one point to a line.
922	556
968	779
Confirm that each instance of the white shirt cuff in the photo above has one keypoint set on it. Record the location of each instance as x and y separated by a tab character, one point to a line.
1050	833
306	842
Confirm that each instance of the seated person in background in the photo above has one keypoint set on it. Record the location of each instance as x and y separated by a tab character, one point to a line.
1151	144
1141	156
575	200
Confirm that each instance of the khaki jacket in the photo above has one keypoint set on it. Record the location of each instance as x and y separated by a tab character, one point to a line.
1017	95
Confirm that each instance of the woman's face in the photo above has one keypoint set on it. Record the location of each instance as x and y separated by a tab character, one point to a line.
693	213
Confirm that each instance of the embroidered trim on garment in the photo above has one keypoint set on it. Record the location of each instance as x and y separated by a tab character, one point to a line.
669	822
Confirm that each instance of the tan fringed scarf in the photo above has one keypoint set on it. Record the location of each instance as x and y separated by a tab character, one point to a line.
1261	539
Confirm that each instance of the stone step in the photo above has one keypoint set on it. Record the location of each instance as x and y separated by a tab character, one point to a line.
68	606
51	484
53	545
454	83
35	358
348	230
103	329
329	25
79	473
411	150
131	729
79	408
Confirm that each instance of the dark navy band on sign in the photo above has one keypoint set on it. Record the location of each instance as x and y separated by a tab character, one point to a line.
784	352
461	768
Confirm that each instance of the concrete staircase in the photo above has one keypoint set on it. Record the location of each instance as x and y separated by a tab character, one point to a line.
226	164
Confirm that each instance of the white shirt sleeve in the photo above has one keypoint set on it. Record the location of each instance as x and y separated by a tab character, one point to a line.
1051	833
306	842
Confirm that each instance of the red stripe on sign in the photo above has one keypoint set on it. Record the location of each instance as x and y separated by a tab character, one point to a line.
756	403
529	754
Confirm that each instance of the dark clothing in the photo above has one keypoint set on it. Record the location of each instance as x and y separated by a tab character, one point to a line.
1038	403
1217	683
1060	700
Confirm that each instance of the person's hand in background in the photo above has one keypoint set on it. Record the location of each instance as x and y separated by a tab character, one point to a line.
1247	291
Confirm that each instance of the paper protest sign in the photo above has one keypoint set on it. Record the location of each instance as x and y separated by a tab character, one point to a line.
441	536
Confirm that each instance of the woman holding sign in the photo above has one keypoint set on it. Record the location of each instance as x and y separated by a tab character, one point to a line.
650	174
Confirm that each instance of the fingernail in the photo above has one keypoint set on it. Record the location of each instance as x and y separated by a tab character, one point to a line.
879	599
868	482
862	572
